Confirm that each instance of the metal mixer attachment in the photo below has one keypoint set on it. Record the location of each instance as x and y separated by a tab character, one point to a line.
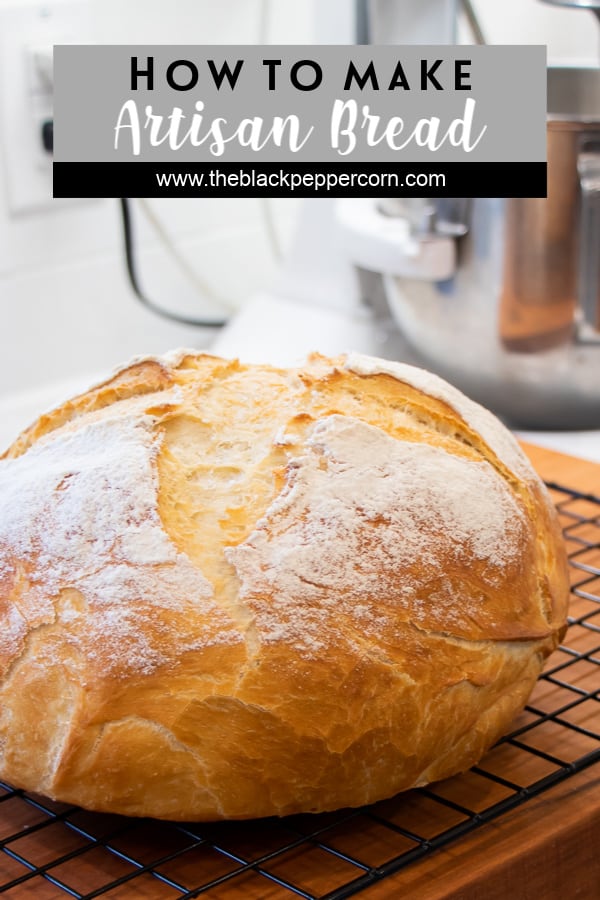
592	5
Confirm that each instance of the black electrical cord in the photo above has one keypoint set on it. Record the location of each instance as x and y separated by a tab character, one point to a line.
47	135
129	244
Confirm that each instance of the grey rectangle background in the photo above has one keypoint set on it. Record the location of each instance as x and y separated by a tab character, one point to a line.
92	82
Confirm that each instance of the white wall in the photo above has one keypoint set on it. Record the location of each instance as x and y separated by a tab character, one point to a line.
65	305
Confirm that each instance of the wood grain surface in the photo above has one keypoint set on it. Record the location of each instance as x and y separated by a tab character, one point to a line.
569	470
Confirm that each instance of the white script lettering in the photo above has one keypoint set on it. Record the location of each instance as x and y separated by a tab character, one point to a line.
253	133
426	132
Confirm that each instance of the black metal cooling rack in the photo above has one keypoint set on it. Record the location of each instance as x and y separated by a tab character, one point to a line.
53	851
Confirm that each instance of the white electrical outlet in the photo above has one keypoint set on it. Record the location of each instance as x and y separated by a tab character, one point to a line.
28	31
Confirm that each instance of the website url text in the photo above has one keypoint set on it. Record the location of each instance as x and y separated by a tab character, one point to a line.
249	179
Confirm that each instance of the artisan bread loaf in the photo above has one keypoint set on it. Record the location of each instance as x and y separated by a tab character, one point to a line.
230	591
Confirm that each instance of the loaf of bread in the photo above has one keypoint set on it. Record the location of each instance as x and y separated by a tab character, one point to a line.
230	591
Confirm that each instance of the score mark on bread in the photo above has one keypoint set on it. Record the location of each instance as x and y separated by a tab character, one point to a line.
236	591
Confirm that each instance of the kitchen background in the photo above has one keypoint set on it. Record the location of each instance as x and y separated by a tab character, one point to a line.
67	312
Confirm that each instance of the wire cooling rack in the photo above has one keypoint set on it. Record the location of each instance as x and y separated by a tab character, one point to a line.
51	851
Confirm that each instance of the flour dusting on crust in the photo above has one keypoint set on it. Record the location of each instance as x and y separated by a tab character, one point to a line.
78	511
362	512
496	436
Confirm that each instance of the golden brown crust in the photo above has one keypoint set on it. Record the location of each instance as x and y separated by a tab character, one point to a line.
259	591
144	377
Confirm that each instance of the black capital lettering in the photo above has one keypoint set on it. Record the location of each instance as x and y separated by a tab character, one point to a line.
460	74
306	63
427	74
399	79
182	63
219	75
147	73
271	64
354	75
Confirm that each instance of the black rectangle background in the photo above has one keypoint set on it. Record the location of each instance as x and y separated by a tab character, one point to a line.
141	179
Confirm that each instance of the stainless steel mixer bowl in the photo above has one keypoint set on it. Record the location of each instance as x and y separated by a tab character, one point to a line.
517	324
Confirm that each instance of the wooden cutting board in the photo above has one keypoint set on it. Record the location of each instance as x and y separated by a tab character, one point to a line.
568	470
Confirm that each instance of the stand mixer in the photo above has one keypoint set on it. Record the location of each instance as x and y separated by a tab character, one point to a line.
515	321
